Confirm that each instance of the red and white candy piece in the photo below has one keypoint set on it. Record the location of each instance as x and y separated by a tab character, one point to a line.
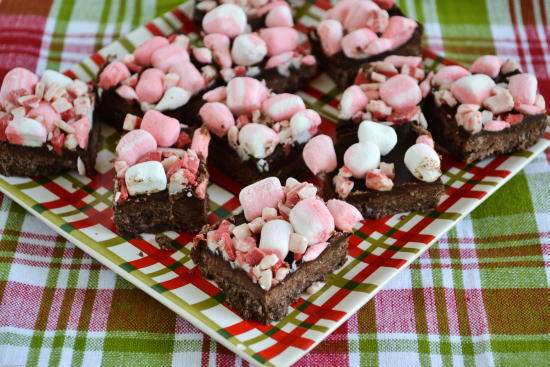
423	162
499	103
355	43
298	243
227	19
258	140
278	60
248	49
383	136
279	16
448	74
400	91
399	61
113	74
473	89
218	94
202	55
50	77
26	131
312	219
353	101
523	88
145	178
314	251
134	145
275	236
167	56
330	33
488	64
358	15
143	53
304	124
376	179
48	114
282	106
345	215
379	45
17	82
279	39
219	44
191	79
173	98
217	117
319	154
245	95
127	92
496	125
82	129
265	193
340	10
469	117
164	129
362	157
150	87
399	30
200	142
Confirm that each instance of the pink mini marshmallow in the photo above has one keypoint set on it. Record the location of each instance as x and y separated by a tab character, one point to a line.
528	109
265	193
304	124
399	29
150	87
282	106
353	101
113	74
448	74
279	16
190	78
379	45
279	39
219	44
312	219
400	91
496	125
400	61
218	94
362	157
248	49
275	237
202	55
82	129
134	145
217	117
258	140
49	115
340	10
227	19
164	129
345	215
127	92
499	103
425	139
319	154
17	82
264	6
330	33
488	64
143	53
245	95
280	59
355	43
200	142
359	14
165	57
26	131
523	88
472	89
314	251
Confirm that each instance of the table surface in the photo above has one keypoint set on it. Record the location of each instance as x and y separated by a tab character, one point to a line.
478	296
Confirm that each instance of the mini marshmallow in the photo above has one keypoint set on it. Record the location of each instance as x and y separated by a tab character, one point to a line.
379	46
244	95
50	77
217	117
227	19
203	55
423	162
150	87
248	49
218	94
26	131
143	53
472	89
319	154
265	193
469	117
164	129
16	81
353	100
362	157
167	56
340	10
510	66
358	15
298	243
496	125
330	33
145	178
399	61
528	109
523	88
312	219
275	236
383	136
345	215
200	142
49	115
355	43
448	74
279	39
399	29
279	16
423	139
127	92
488	64
304	124
190	78
400	91
113	74
314	251
135	144
280	59
173	98
282	106
500	103
258	140
219	44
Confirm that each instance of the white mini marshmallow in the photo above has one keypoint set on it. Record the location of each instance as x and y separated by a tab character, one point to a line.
145	178
361	157
258	140
423	162
304	125
275	236
472	89
248	49
50	76
173	98
26	131
383	136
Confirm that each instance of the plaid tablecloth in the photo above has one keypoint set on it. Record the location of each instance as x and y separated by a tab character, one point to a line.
480	296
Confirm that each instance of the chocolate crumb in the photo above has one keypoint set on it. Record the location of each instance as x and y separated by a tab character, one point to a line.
165	242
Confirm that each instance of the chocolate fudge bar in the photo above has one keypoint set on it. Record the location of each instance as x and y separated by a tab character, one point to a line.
491	109
286	243
257	135
160	186
354	33
272	53
160	76
46	124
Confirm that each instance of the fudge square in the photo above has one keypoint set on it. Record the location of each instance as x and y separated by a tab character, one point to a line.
46	124
159	185
285	243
